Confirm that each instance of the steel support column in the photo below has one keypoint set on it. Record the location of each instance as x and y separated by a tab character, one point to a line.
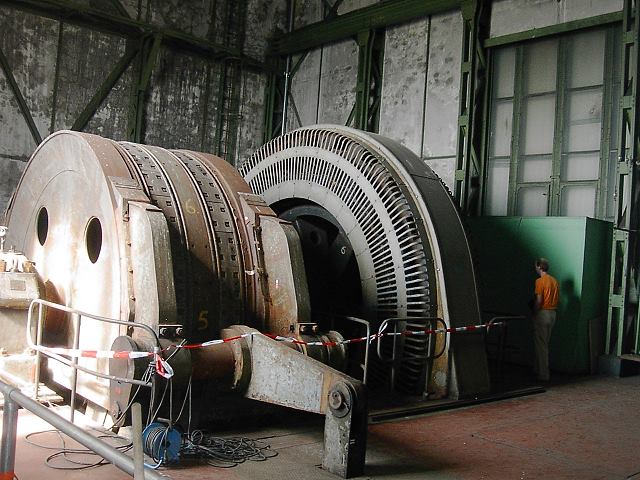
104	89
147	57
472	84
366	112
274	102
624	256
230	83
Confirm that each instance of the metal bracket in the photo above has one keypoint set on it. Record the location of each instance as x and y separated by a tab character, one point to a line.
284	376
345	430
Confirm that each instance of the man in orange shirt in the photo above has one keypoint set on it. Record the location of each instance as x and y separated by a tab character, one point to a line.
546	302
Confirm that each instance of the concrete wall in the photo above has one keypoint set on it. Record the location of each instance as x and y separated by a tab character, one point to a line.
420	89
513	16
419	104
58	68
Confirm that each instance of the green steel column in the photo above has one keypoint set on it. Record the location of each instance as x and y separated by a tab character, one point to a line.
363	85
274	101
623	255
472	84
366	112
105	88
226	137
553	198
147	56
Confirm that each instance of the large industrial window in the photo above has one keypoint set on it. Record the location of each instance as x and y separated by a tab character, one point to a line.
552	132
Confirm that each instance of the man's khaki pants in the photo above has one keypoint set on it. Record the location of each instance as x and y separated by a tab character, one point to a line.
543	322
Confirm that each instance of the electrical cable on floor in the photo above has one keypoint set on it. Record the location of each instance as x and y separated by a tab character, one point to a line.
68	453
225	452
161	442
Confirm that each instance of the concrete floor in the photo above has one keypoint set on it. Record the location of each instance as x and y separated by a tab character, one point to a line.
586	428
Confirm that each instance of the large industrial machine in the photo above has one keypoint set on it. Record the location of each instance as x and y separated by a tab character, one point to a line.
329	223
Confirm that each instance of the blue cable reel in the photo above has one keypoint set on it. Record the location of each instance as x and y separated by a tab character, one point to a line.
162	443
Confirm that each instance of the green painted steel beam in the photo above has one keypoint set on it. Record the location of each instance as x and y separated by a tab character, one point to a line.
148	56
150	64
104	90
560	28
78	14
22	104
469	157
623	256
380	15
120	8
363	84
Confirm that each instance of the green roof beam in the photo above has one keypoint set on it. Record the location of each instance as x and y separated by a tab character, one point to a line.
379	15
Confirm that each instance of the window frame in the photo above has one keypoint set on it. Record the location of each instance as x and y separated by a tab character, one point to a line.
556	185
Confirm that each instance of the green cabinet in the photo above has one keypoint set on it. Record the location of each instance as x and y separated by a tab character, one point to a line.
578	249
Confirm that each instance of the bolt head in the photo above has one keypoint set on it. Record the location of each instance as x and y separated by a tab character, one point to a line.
336	400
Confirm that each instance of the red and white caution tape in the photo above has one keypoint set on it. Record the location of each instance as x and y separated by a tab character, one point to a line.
164	369
73	352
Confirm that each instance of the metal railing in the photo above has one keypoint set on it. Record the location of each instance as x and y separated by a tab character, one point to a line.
394	360
14	398
367	325
365	366
504	319
76	316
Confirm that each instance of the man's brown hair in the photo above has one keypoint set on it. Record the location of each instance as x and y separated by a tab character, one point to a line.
542	264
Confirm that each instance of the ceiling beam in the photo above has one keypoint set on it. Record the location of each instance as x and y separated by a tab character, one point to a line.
379	15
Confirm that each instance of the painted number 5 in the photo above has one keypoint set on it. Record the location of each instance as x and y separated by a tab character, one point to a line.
203	320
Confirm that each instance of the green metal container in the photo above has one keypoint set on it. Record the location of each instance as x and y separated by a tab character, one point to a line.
578	249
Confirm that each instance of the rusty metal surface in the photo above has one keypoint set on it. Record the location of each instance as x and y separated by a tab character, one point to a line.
243	260
287	281
223	234
175	238
161	190
215	362
152	269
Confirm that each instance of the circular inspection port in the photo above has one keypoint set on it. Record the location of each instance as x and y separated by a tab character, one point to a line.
93	239
42	225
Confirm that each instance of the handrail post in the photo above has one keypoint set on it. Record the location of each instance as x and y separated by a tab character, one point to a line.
9	431
38	354
74	361
138	453
368	343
